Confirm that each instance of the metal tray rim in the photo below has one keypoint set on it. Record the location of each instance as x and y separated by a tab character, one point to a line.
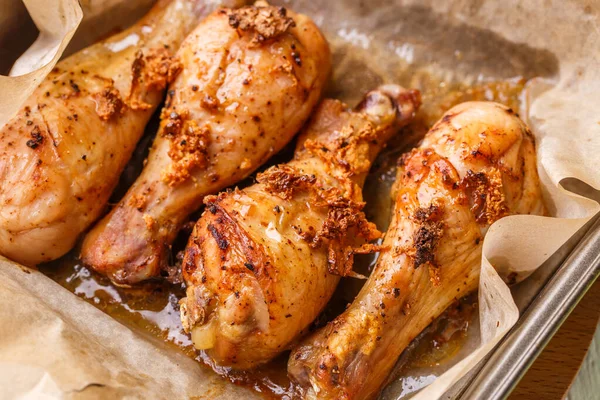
510	360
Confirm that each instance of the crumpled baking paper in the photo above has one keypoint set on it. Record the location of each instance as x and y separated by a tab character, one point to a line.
57	23
54	345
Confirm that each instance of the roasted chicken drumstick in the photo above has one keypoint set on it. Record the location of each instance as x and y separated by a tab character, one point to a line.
62	154
263	261
476	165
249	80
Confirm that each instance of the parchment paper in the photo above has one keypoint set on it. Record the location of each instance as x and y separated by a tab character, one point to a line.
53	344
57	23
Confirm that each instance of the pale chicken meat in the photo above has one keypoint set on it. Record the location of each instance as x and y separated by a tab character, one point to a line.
249	80
62	154
263	261
476	165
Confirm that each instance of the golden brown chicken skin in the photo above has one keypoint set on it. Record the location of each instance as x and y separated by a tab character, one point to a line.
476	165
62	154
249	80
263	261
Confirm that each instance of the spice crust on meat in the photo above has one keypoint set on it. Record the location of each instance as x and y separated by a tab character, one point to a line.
108	103
350	149
152	71
484	190
426	239
264	21
188	146
346	228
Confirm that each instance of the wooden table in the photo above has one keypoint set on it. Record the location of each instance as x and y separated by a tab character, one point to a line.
553	372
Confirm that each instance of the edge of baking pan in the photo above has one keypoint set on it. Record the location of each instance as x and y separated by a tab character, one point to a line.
544	316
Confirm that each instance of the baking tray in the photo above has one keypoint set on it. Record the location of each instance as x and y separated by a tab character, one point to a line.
562	282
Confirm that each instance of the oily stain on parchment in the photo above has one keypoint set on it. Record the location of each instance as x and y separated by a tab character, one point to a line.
152	308
380	41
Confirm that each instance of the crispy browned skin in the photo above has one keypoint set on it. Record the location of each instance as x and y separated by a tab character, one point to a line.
249	80
262	262
476	165
62	154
